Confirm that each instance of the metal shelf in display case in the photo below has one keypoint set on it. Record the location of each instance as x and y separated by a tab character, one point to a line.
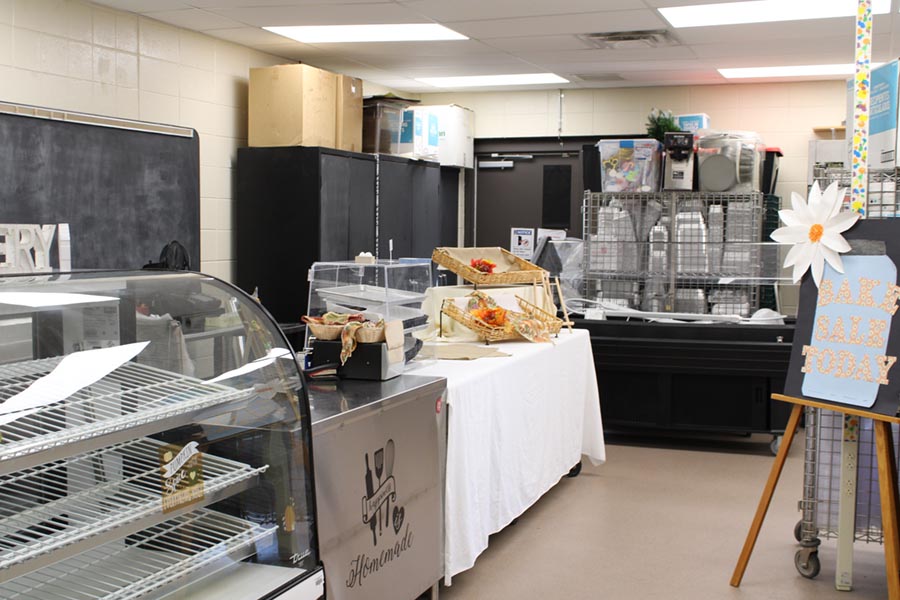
132	462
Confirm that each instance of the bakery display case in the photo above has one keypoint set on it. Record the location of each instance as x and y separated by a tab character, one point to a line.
155	442
392	290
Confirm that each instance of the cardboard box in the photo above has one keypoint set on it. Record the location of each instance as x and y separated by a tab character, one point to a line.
419	137
292	105
456	129
693	123
349	114
883	142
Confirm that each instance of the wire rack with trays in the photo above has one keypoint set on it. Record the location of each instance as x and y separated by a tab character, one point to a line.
91	506
59	508
883	201
679	252
152	560
131	401
824	453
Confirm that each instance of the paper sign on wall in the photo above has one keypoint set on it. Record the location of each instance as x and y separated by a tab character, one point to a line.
521	242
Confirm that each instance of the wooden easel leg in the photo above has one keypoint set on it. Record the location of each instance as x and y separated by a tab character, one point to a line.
887	483
766	498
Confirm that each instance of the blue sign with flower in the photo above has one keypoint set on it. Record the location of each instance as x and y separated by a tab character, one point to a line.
846	358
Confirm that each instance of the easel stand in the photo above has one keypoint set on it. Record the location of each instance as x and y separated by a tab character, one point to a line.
887	483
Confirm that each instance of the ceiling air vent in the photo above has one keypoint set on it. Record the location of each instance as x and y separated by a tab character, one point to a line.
622	40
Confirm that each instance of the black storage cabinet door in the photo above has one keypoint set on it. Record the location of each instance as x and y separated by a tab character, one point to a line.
296	206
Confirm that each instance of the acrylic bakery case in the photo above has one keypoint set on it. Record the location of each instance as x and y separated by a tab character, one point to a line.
154	442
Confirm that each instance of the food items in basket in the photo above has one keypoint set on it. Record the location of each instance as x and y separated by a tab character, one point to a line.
333	318
496	317
482	264
484	308
354	332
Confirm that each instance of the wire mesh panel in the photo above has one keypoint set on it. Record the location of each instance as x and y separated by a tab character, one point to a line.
825	429
883	201
677	252
830	430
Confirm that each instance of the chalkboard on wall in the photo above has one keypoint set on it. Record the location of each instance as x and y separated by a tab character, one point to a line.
125	193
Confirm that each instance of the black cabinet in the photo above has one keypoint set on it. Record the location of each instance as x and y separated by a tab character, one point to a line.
409	207
297	205
691	377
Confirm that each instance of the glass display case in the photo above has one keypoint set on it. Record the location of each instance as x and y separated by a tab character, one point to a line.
154	442
386	289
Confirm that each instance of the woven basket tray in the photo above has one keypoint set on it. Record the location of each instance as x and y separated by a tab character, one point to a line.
492	333
514	269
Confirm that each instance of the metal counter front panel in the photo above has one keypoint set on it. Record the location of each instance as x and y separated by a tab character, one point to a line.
378	489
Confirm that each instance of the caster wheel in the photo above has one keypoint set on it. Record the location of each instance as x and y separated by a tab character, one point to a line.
574	471
812	566
775	445
798	531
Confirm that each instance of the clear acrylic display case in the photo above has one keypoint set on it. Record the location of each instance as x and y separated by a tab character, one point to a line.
389	290
154	432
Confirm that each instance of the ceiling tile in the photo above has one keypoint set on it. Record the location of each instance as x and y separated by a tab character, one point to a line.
405	63
474	10
144	6
537	43
626	20
662	3
595	54
193	18
761	32
254	37
673	77
321	14
253	3
445	48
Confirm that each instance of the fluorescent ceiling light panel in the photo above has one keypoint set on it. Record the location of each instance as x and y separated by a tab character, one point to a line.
493	80
404	32
764	11
792	71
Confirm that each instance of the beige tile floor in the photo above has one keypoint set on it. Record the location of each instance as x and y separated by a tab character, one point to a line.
663	519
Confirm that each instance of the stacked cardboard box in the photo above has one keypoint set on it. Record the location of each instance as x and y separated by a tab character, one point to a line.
300	105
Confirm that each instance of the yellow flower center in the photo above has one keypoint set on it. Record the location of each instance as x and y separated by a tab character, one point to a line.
815	232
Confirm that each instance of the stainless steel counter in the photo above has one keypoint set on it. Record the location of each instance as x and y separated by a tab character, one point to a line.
334	403
379	451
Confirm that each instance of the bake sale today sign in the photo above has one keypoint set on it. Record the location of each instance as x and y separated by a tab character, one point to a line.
847	338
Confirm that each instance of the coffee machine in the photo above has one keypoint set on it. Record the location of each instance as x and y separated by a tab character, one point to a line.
679	169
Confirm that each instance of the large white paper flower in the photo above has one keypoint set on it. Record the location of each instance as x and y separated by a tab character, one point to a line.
815	229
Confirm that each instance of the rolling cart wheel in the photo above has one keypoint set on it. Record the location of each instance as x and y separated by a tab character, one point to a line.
775	445
574	471
798	531
811	567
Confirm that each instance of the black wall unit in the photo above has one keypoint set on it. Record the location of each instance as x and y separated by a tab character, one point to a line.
691	377
124	193
449	211
295	206
409	207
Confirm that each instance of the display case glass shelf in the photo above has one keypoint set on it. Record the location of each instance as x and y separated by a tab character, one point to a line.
133	463
133	400
389	290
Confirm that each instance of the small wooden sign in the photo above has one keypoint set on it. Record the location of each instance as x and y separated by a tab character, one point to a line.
847	337
181	475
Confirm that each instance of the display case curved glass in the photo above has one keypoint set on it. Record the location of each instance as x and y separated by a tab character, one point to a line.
155	441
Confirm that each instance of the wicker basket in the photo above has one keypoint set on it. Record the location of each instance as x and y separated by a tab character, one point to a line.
325	332
519	271
492	333
370	335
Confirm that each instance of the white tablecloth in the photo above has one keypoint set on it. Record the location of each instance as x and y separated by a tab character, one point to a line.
515	426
